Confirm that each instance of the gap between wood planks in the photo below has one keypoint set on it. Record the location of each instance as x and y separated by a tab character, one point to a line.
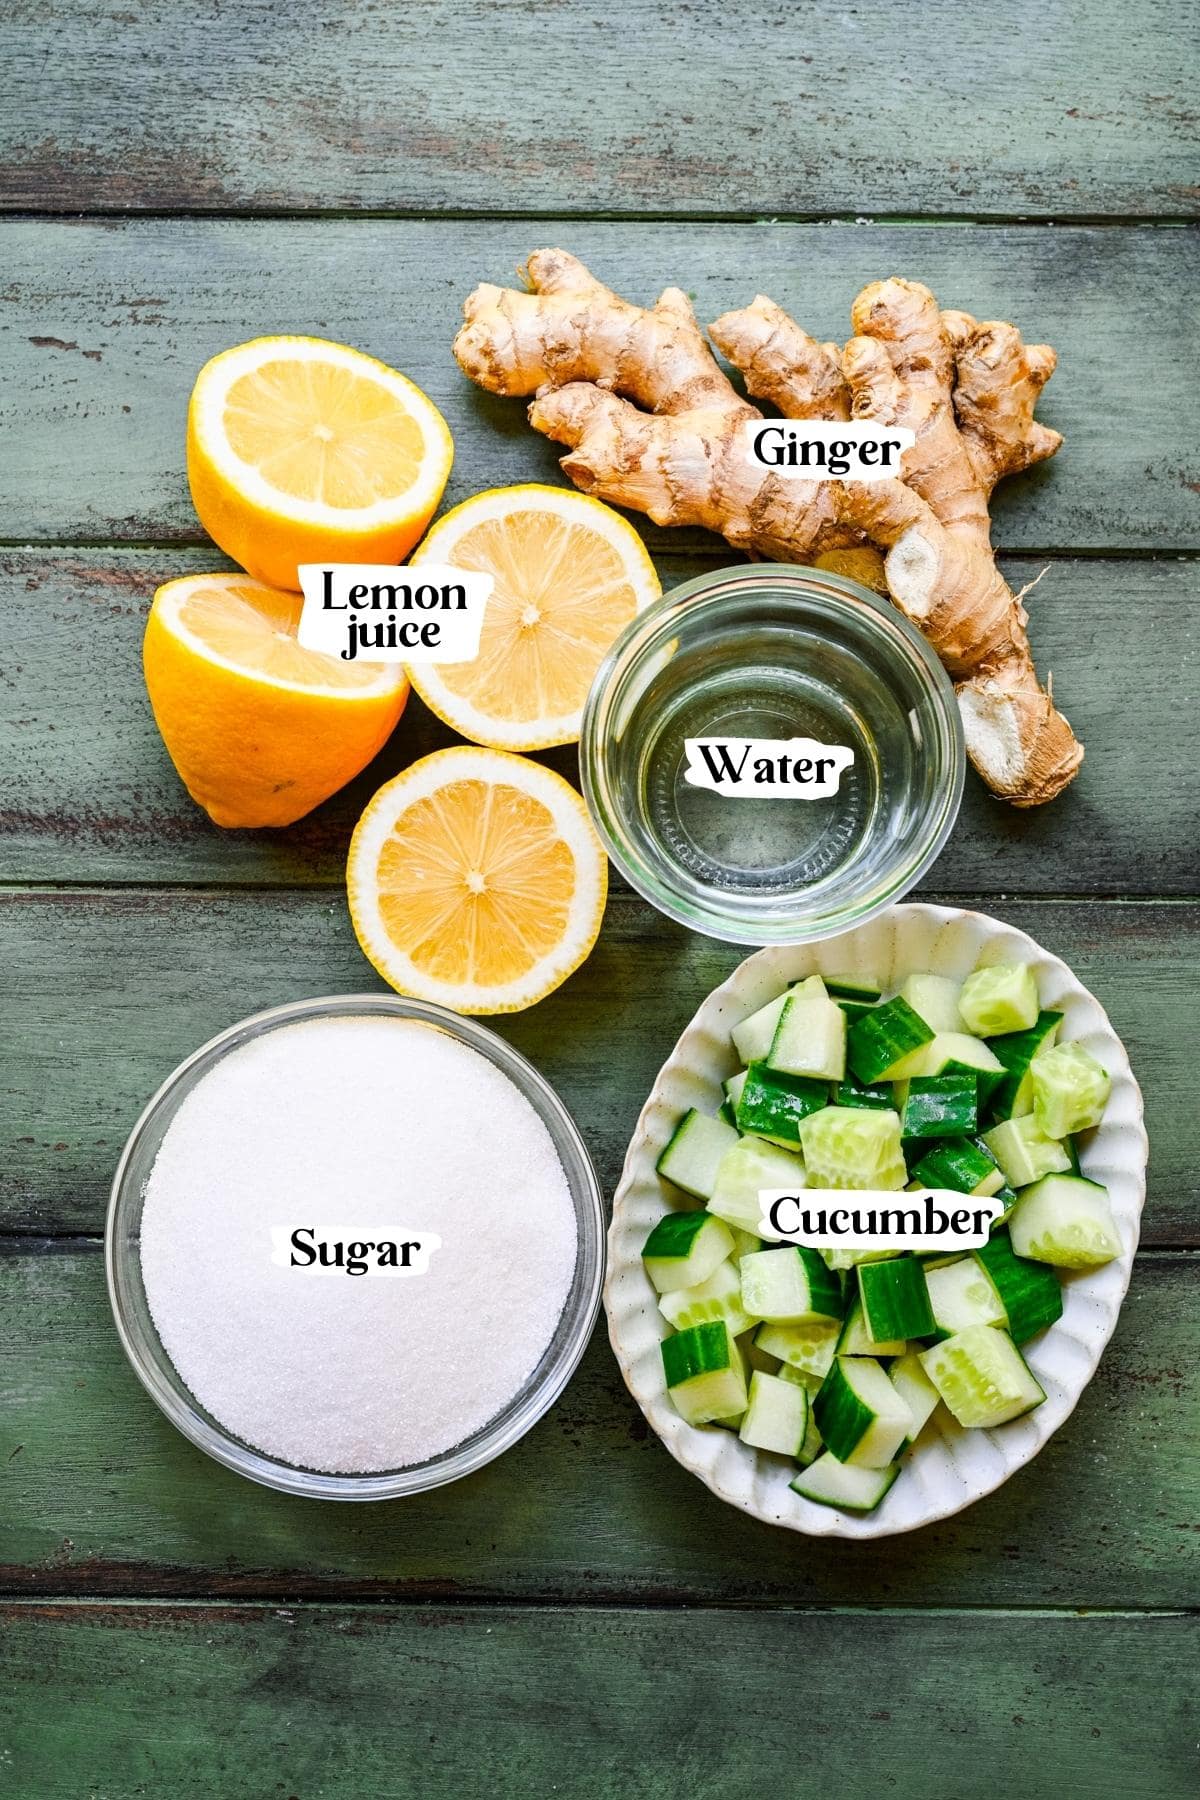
567	215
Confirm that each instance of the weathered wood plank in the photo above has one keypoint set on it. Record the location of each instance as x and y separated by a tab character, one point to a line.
686	108
100	801
394	1702
100	1495
105	327
107	991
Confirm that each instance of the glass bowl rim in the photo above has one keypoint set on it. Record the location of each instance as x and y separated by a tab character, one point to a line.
645	634
522	1412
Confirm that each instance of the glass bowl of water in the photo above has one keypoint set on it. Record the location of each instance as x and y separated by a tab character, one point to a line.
773	843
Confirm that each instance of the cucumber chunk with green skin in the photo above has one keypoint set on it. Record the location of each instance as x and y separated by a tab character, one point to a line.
771	1104
734	1088
691	1158
853	1147
684	1248
848	987
704	1374
934	998
854	1093
958	1163
719	1297
851	1255
1070	1089
915	1389
1065	1220
1008	1199
791	1286
810	1038
749	1166
829	1482
982	1377
753	1037
952	1053
809	1349
883	1038
1001	998
854	1009
962	1294
938	1106
1013	1094
860	1415
1024	1152
777	1415
1029	1291
895	1299
855	1340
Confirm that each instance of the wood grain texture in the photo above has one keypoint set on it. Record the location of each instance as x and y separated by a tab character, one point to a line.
395	1703
108	991
544	106
99	1494
104	328
87	791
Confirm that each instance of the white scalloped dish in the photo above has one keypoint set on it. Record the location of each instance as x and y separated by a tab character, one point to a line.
952	1467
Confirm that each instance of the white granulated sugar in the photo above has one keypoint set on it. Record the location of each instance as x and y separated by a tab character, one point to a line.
361	1129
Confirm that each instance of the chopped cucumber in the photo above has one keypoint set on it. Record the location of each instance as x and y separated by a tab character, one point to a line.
743	1241
938	1106
809	1349
1013	1094
854	1340
849	987
691	1158
982	1377
915	1389
962	1293
744	1171
752	1038
852	1147
1070	1089
854	1093
934	998
833	1483
854	1009
1024	1152
777	1415
953	1053
1001	998
1029	1292
961	1164
771	1104
810	1038
851	1255
1066	1220
860	1415
1008	1199
718	1297
895	1300
883	1038
734	1088
752	1356
705	1377
684	1248
791	1286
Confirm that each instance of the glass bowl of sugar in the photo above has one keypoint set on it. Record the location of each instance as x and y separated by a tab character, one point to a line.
355	1247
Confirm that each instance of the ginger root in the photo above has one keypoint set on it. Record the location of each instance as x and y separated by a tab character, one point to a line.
651	422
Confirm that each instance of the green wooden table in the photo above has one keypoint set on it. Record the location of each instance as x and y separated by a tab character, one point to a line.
583	1618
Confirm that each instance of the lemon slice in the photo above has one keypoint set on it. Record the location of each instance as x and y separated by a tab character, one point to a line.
301	450
569	574
475	879
260	729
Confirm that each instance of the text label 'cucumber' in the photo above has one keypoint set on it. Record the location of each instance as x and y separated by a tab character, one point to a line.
767	768
830	449
381	613
832	1218
300	1248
